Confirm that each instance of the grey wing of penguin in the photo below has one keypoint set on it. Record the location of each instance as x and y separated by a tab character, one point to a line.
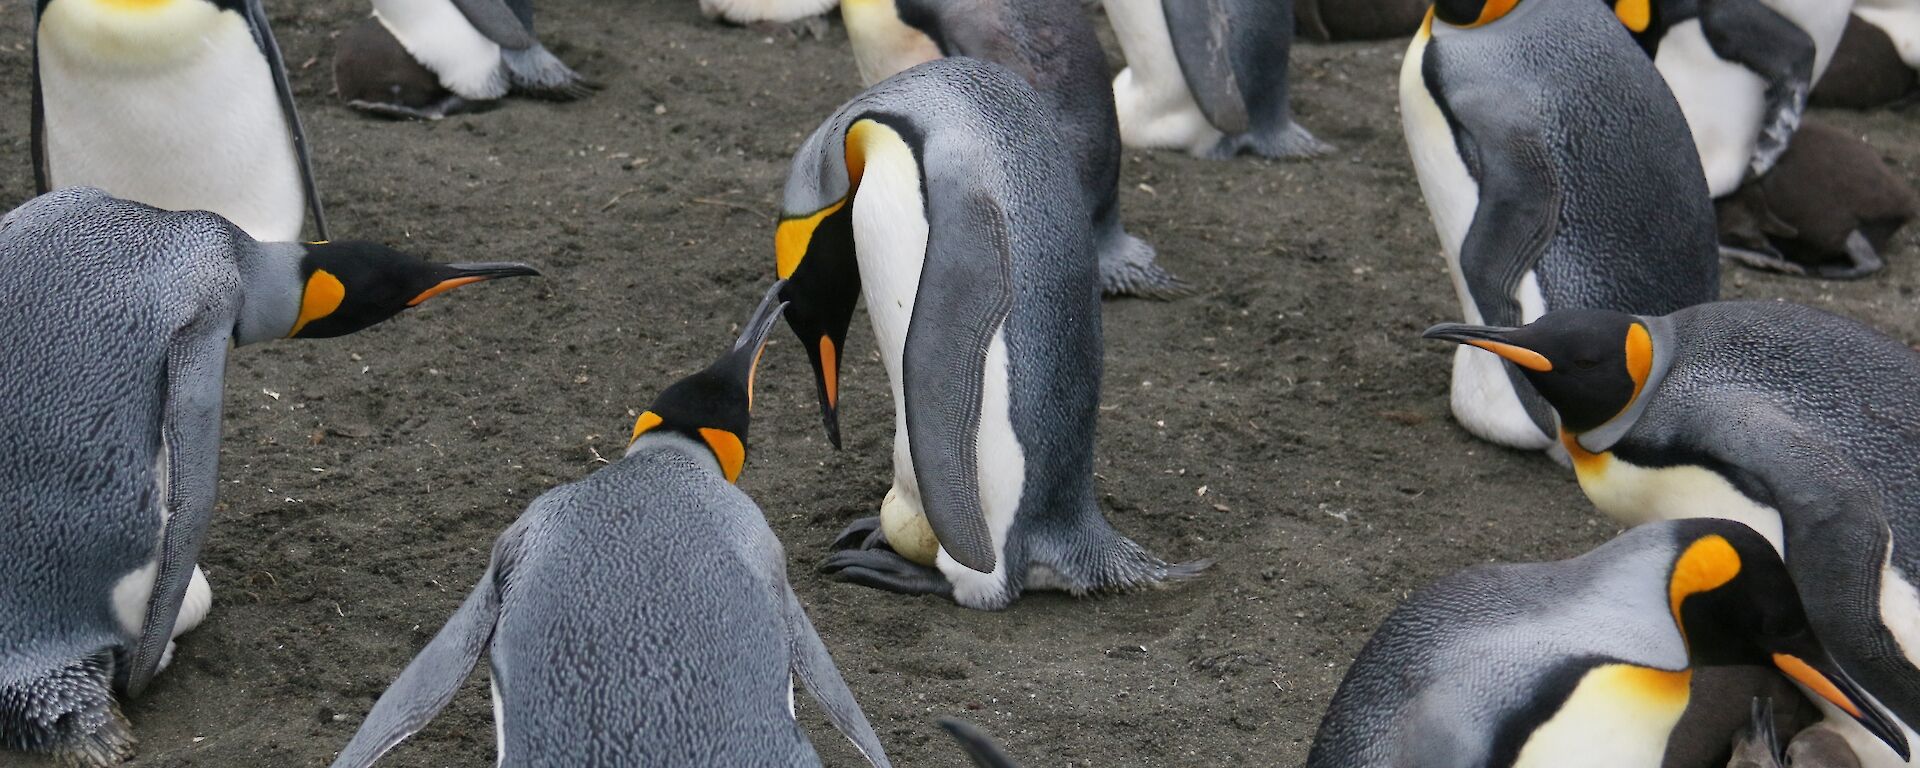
499	22
1754	36
1519	207
190	444
1837	537
431	679
283	89
965	294
42	176
815	668
1202	36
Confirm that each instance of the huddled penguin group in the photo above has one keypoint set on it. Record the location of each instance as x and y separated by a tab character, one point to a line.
1586	164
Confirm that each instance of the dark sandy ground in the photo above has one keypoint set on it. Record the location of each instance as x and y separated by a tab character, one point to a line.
1286	420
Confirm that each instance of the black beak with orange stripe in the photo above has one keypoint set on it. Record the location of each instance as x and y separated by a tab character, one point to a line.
347	286
713	407
1589	364
816	259
1736	605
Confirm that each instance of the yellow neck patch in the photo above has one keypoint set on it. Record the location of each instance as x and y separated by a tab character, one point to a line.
1585	462
728	449
323	295
1707	565
1636	14
647	421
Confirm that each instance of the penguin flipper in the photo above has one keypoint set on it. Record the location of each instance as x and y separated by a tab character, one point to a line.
430	680
964	296
1519	212
42	176
1202	32
498	22
1837	537
815	668
190	435
1757	37
270	48
977	744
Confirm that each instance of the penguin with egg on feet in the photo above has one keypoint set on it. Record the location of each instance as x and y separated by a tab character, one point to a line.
944	196
1052	44
474	51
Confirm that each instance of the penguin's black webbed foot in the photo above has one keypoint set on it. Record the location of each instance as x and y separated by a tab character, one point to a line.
70	715
1127	268
884	569
863	533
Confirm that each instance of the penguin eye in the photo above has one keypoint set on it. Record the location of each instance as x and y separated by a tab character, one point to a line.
1586	363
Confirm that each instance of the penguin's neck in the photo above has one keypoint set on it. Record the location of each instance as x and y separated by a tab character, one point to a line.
134	36
674	442
270	289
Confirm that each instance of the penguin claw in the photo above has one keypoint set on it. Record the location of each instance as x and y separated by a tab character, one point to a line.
866	530
885	570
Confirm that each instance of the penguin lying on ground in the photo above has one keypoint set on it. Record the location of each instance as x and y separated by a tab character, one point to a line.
111	434
944	195
640	616
1208	76
1802	424
799	17
1559	173
1582	663
1339	20
180	104
1742	71
477	51
1052	44
1870	68
1827	209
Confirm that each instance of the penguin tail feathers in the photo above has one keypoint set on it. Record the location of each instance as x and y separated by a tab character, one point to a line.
537	72
1290	143
1127	268
1123	565
69	714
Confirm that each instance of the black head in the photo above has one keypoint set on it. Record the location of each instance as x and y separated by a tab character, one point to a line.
1468	14
713	407
1736	605
348	286
816	260
1589	364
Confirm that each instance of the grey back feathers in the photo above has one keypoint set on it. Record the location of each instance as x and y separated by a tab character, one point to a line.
1814	415
640	616
1448	675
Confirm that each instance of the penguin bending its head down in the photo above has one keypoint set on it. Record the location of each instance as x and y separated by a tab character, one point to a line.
111	434
1802	424
1052	44
1582	663
478	50
945	197
1209	77
640	616
1559	173
179	104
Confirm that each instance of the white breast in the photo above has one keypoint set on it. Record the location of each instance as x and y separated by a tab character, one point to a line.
1155	108
1617	717
1634	495
172	106
440	38
890	233
883	45
776	11
1723	102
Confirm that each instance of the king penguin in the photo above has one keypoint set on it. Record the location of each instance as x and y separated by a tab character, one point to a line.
640	616
1208	77
111	435
944	196
479	50
180	104
1799	423
1559	173
1582	663
1052	44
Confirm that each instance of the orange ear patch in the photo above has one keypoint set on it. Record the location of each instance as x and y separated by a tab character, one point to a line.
1639	358
647	421
1707	565
323	295
1636	14
728	449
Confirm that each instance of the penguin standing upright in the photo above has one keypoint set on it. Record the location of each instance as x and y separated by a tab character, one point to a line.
1559	173
1801	424
640	616
1052	44
1582	663
180	104
111	434
1208	76
479	50
943	194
